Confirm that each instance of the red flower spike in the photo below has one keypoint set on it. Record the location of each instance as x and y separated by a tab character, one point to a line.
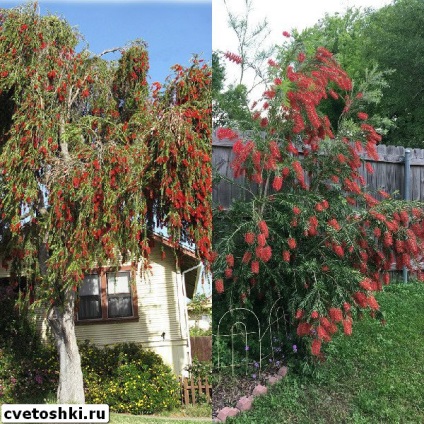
292	243
230	260
316	347
219	286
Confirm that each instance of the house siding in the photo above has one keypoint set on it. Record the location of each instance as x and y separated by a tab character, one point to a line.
159	310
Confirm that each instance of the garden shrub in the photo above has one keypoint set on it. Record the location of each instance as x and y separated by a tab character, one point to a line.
309	232
128	378
28	368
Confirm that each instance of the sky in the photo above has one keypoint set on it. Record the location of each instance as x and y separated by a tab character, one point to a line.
282	15
174	30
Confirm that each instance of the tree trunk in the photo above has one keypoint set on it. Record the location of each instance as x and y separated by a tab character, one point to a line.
61	318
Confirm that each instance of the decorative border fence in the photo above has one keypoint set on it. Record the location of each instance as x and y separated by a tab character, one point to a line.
389	173
271	333
193	390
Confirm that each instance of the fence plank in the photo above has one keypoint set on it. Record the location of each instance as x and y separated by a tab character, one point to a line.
388	172
193	390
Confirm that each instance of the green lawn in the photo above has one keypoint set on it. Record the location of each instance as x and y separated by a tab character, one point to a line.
131	419
374	376
190	415
136	419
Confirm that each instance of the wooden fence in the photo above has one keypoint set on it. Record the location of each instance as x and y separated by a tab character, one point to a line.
194	390
389	171
201	348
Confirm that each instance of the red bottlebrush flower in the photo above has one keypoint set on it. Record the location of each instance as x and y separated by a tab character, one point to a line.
363	116
377	232
366	284
399	246
277	183
275	150
286	34
266	254
338	250
325	268
347	326
301	57
334	223
219	286
277	81
316	347
263	227
255	267
286	256
372	303
314	314
341	158
299	313
369	168
261	240
272	63
85	92
257	178
386	278
292	149
360	299
346	307
404	217
285	171
319	207
388	239
292	243
246	257
296	210
303	329
325	204
333	94
228	273
249	238
322	334
230	260
75	182
232	57
336	314
264	122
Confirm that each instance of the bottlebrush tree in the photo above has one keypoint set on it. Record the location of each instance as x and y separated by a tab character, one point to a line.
310	234
91	160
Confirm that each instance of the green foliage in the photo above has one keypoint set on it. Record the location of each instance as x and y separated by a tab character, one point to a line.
386	42
372	377
27	366
128	378
309	234
200	332
199	369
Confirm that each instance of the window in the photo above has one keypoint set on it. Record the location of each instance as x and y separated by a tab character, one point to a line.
119	294
90	301
107	296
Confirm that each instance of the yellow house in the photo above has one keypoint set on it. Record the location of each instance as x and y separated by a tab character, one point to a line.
144	306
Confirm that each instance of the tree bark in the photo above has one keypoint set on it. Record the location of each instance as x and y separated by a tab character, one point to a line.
61	319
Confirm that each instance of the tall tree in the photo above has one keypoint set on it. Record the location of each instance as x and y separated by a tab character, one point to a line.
382	48
91	162
393	40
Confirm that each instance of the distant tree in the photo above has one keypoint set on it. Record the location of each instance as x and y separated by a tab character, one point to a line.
393	39
232	101
90	162
382	48
344	35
